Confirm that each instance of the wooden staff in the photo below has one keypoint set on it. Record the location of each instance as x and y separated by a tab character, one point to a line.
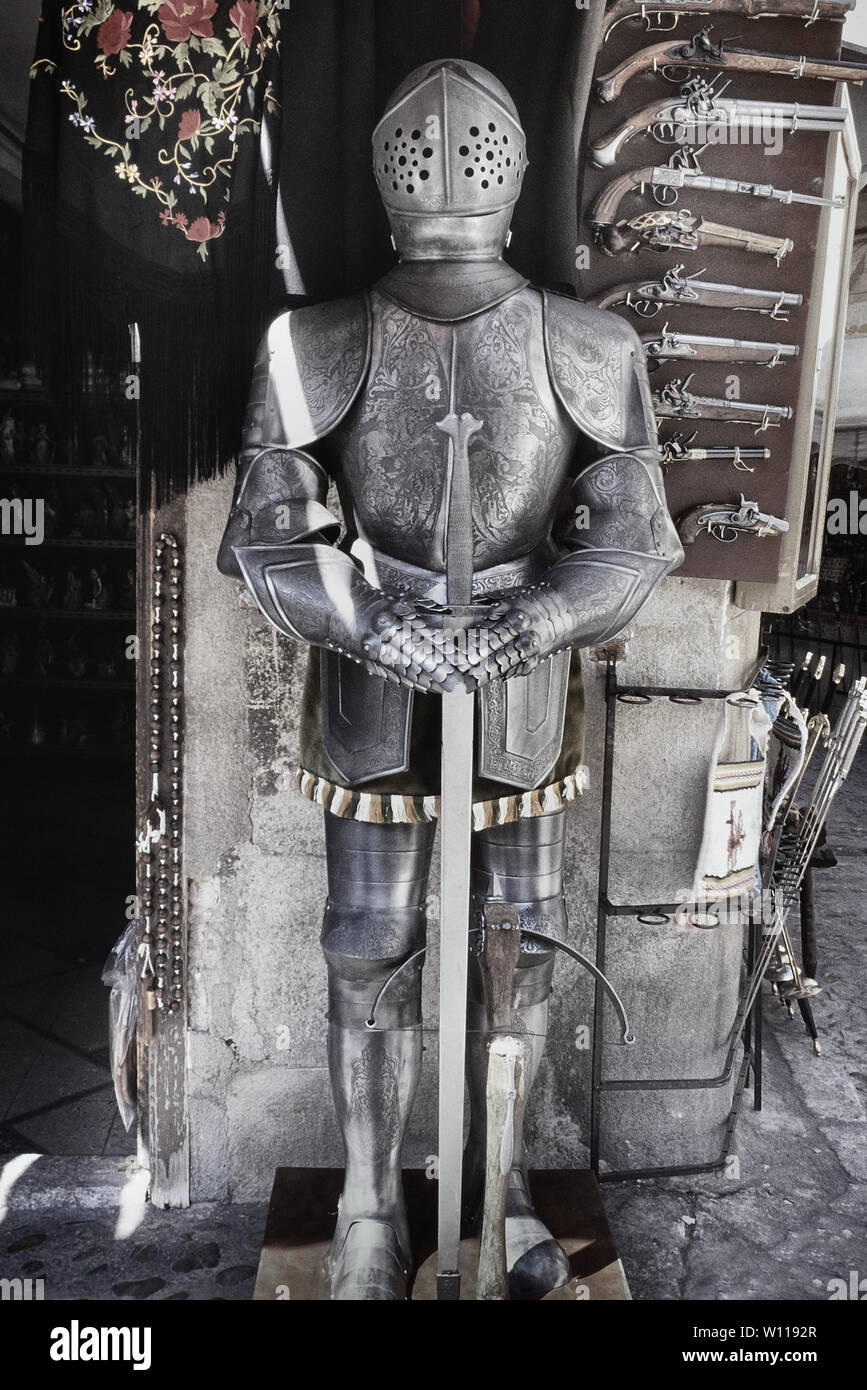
505	1092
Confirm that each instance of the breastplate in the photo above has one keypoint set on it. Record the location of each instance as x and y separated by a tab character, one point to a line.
392	461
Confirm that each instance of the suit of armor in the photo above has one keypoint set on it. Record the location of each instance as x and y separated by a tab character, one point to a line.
493	447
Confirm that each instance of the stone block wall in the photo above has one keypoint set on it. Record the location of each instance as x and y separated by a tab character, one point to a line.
257	1076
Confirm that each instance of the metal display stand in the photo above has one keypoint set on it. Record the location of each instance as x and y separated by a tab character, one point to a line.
747	1026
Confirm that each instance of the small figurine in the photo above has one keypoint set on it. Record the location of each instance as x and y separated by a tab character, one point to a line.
73	594
99	503
37	730
7	439
30	378
106	666
116	515
85	520
78	731
40	587
99	595
43	656
128	591
99	456
127	454
76	663
43	447
10	652
59	508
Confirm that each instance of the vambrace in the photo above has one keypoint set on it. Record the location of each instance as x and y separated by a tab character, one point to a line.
279	498
310	591
621	541
280	540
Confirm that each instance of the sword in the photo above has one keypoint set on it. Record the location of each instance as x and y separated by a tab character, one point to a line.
456	810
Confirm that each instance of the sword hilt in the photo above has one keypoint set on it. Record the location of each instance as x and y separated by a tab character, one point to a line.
459	429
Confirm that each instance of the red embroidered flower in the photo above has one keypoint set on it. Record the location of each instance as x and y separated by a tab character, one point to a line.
189	124
181	18
202	230
245	16
113	35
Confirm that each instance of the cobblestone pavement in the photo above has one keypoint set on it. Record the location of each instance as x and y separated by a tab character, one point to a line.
82	1225
789	1220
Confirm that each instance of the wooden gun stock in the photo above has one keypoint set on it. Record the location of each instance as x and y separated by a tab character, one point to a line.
605	206
808	10
702	53
689	526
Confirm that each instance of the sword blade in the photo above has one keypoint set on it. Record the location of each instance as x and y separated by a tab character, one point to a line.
456	799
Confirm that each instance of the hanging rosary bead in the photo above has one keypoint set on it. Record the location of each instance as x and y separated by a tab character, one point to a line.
161	895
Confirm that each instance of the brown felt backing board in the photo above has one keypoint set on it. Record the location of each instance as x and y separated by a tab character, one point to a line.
800	166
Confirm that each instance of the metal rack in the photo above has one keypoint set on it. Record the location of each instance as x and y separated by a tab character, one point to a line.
747	1026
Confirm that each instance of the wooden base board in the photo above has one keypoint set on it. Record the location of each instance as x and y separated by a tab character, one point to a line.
303	1211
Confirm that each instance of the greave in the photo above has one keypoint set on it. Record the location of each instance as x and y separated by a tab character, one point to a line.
374	923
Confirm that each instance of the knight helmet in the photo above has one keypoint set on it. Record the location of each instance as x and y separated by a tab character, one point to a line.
449	157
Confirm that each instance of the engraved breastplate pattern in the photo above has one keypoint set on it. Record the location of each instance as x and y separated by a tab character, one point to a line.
519	460
393	460
395	470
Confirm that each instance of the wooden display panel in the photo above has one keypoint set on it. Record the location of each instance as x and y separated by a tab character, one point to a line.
801	166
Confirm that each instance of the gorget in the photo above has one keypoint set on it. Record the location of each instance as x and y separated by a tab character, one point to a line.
448	291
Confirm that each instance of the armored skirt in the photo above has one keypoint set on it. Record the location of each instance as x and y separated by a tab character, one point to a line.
413	796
